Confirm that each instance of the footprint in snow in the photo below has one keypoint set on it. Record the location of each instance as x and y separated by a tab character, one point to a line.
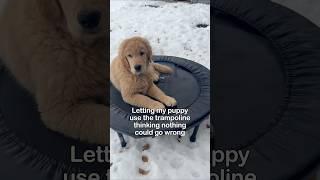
144	169
143	172
145	147
145	158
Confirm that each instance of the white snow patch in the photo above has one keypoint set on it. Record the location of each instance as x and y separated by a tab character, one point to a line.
170	28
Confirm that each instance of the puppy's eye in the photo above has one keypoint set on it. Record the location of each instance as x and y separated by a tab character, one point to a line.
129	55
141	53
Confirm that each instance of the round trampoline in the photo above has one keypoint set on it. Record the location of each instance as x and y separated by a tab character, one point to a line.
267	88
28	150
189	84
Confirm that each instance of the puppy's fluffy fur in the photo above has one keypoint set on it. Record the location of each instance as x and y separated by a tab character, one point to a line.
136	84
63	66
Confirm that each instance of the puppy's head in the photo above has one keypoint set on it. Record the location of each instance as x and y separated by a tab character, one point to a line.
136	53
84	19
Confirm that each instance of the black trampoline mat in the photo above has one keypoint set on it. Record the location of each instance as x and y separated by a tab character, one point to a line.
251	85
188	84
25	138
266	88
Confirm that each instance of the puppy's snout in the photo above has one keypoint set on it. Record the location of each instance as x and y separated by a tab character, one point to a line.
89	20
137	67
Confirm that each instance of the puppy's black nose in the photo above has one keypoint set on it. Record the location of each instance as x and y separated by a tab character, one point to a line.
137	67
89	19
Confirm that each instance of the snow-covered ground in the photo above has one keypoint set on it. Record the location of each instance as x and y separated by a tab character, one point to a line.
172	30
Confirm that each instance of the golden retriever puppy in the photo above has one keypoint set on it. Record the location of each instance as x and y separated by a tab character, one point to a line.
133	73
56	49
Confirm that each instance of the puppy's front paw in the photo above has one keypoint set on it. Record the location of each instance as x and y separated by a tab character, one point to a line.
170	70
155	76
170	101
157	105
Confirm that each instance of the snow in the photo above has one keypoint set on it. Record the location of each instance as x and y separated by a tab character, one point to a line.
172	30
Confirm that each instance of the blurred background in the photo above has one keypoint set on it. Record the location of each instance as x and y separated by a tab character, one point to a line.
308	8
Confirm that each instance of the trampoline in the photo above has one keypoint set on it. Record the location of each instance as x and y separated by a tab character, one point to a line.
28	150
267	88
189	84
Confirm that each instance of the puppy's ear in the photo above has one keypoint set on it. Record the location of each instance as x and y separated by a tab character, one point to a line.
51	10
121	53
121	50
149	49
125	63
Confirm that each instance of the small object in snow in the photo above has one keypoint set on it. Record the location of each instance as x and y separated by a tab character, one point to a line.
143	172
202	25
145	158
146	147
208	126
153	6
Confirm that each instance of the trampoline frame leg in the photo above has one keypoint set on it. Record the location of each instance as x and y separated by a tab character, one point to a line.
193	137
122	140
